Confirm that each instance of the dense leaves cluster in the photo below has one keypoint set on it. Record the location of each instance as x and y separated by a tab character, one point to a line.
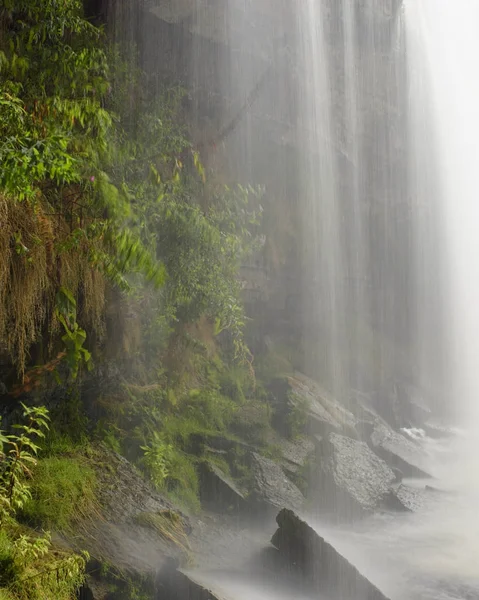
114	189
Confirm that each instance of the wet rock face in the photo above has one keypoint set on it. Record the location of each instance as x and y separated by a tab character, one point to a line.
399	452
320	564
181	585
218	491
297	452
352	480
271	486
404	498
85	593
323	414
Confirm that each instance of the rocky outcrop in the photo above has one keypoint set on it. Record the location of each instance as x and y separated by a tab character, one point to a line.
296	453
411	498
399	452
133	529
326	570
403	498
218	491
181	585
352	480
302	396
271	486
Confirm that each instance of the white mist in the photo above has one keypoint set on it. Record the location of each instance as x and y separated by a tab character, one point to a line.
444	54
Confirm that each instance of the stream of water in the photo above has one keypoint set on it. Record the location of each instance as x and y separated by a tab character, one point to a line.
366	119
428	265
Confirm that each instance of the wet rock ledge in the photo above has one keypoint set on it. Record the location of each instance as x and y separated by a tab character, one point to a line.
321	565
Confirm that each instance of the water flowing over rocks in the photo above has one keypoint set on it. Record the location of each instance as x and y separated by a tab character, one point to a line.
398	451
319	562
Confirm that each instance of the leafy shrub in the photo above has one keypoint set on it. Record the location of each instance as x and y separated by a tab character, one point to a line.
171	470
18	453
29	567
38	572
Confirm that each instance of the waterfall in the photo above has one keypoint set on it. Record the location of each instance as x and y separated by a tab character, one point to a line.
358	118
358	224
445	56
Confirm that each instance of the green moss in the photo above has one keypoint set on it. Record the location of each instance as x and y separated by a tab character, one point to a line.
63	492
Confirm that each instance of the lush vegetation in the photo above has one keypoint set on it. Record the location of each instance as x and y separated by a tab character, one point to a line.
30	567
116	246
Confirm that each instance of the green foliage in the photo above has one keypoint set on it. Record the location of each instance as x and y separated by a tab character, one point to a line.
54	76
171	470
19	452
29	567
118	193
202	252
298	416
74	337
57	150
157	459
62	493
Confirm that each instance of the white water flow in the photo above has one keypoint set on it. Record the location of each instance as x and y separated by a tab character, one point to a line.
361	117
434	553
445	54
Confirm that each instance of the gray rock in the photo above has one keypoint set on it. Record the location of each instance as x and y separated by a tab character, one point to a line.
403	498
398	451
218	491
411	498
296	453
319	563
116	532
182	585
323	412
271	486
352	480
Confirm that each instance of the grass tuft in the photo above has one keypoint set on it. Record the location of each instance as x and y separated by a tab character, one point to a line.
63	493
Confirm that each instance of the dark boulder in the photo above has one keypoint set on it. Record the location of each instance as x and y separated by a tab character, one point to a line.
319	563
218	491
352	480
181	585
271	486
85	593
398	451
299	395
